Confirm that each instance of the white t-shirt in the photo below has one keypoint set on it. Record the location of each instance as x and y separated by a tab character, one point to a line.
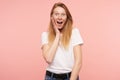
64	59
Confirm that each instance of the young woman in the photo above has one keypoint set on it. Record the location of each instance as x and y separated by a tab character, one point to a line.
61	46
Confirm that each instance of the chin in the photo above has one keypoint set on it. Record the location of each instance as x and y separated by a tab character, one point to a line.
60	28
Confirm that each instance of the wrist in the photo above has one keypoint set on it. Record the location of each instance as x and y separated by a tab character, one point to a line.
57	37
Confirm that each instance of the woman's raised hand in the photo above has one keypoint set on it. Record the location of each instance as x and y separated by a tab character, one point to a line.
55	27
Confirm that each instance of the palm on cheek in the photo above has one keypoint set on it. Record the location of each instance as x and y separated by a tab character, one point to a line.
55	26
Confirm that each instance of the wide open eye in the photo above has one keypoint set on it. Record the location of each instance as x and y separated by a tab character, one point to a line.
56	14
63	14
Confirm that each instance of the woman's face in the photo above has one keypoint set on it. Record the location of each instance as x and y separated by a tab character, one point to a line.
60	17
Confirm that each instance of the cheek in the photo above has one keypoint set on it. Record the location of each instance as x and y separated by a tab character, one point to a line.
64	19
55	17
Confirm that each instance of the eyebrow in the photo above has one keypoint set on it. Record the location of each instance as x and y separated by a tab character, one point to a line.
58	12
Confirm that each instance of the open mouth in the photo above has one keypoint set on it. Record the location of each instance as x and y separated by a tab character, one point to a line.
59	22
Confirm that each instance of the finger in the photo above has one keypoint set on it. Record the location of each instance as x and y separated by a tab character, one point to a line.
54	24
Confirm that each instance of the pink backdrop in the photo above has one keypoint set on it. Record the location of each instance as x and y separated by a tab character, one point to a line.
21	24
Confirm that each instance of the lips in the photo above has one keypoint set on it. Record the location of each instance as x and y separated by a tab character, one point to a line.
59	22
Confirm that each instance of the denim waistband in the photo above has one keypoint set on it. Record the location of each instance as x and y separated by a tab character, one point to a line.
54	75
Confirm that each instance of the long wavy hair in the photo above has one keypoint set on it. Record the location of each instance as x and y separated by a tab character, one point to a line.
67	29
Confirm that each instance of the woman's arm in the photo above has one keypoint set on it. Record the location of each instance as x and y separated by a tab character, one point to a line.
50	50
78	62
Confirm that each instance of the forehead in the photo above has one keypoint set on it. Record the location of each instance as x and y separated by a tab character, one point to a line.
59	9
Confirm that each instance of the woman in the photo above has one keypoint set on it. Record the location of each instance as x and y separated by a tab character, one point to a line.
61	46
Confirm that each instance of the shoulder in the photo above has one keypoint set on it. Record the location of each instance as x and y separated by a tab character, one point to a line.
75	30
44	33
76	36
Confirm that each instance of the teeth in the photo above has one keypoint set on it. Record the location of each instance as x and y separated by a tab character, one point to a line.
59	22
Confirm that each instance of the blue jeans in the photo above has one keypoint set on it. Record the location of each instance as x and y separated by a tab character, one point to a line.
51	77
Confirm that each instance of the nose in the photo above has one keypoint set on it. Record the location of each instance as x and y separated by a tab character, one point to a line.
59	17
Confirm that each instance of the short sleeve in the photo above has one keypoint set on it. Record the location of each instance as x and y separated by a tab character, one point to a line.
44	38
76	37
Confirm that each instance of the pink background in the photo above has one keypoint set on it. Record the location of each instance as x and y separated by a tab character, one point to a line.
21	24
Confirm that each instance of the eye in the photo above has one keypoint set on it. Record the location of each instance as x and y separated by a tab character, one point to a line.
56	14
63	14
